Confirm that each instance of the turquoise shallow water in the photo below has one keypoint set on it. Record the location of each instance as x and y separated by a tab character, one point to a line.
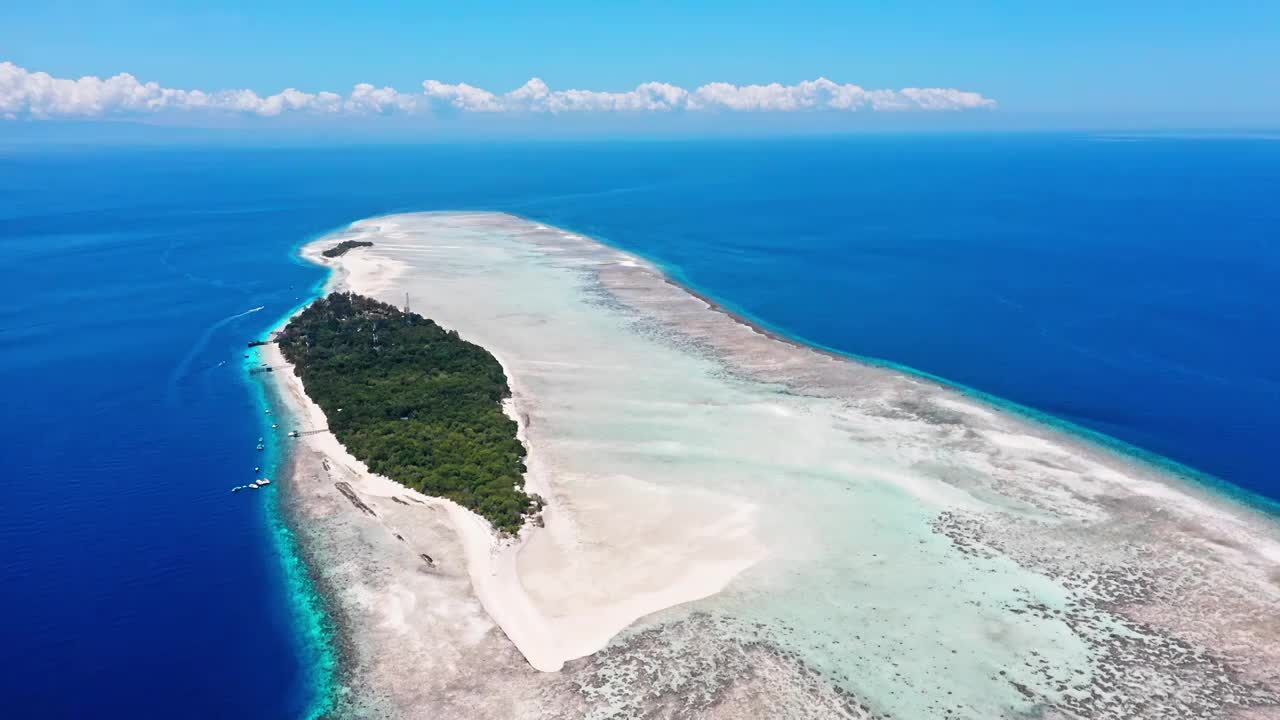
311	625
923	550
1254	499
1123	287
312	622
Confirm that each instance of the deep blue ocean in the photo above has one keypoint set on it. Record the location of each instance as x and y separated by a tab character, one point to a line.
1125	285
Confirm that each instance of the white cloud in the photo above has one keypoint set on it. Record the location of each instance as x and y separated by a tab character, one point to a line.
366	99
462	97
820	94
535	96
39	95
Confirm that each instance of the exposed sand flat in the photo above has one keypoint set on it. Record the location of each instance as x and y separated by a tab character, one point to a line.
741	527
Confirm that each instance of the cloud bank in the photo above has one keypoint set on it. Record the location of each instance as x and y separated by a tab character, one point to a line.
24	93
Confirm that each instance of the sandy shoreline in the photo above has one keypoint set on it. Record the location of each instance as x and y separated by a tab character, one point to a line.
1207	489
546	643
651	506
488	555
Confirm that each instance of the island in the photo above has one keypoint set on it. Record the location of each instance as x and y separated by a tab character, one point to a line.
413	401
730	523
342	247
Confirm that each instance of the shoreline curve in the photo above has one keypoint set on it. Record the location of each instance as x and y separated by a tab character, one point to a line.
565	592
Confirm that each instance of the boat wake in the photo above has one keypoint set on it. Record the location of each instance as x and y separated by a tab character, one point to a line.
183	368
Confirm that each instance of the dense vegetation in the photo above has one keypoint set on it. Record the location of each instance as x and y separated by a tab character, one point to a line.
414	401
344	246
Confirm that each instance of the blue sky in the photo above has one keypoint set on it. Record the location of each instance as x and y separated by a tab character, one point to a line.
1081	64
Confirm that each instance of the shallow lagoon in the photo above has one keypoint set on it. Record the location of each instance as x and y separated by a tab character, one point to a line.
1125	286
908	543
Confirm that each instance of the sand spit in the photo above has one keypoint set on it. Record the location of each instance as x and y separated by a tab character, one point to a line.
691	543
738	526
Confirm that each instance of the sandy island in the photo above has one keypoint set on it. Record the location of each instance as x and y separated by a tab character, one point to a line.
739	526
690	546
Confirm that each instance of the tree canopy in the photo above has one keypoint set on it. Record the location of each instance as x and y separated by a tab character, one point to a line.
344	246
413	401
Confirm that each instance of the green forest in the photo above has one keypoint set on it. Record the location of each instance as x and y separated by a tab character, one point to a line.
344	246
414	401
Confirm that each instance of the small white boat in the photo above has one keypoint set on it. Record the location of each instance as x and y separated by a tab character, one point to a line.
274	426
237	488
264	481
252	486
268	412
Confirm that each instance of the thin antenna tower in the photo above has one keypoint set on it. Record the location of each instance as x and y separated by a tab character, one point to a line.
406	303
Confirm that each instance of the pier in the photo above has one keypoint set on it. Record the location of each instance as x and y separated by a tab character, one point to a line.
270	339
304	433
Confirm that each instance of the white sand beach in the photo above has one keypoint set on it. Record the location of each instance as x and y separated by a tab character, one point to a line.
738	526
562	591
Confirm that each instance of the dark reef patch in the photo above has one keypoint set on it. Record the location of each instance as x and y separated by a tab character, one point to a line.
1119	610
